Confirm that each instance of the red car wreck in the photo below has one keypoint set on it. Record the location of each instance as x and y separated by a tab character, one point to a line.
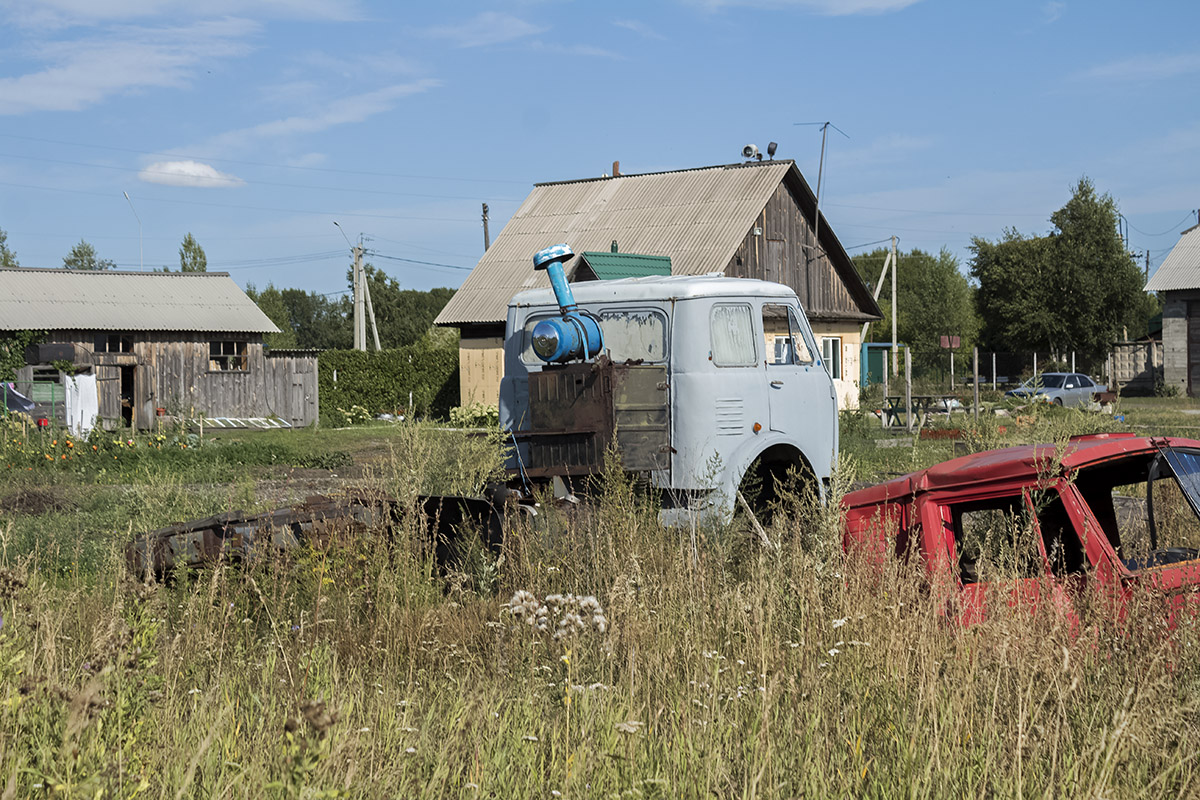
1114	508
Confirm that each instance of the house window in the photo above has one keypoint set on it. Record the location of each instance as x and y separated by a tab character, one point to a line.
113	343
228	357
831	351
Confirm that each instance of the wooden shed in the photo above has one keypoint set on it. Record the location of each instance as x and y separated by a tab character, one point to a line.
754	220
184	345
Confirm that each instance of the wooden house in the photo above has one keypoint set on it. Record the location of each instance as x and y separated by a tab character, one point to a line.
752	220
180	344
1177	280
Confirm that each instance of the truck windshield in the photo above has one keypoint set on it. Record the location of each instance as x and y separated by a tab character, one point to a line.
1147	505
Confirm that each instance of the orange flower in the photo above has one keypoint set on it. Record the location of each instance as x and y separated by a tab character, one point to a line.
71	444
64	456
54	443
95	448
49	457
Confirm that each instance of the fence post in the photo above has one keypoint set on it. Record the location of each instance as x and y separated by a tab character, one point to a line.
1072	361
886	370
975	382
1035	363
908	409
993	370
952	369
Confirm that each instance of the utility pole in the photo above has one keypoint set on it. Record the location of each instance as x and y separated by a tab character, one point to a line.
487	242
895	350
370	313
1147	277
360	322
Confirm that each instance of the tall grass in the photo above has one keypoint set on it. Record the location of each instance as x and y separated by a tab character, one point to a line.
724	670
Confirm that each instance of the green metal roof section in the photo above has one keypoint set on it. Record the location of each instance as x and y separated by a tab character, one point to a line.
612	266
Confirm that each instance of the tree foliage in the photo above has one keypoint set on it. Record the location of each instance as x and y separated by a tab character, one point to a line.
12	350
8	259
191	256
404	316
311	320
934	299
83	256
1073	289
270	302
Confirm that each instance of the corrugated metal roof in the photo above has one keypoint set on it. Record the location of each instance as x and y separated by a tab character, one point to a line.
697	217
610	266
1181	268
65	299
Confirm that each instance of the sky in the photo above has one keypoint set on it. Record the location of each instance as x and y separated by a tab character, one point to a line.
256	124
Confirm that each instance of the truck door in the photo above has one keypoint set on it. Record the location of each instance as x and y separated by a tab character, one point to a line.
799	388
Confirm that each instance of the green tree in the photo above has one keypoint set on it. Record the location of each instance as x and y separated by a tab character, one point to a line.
404	316
319	321
1073	289
8	259
270	302
191	256
933	299
83	256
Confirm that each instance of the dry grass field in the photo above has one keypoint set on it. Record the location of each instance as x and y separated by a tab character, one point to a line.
667	663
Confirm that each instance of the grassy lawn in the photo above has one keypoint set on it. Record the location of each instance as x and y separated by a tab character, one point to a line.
704	668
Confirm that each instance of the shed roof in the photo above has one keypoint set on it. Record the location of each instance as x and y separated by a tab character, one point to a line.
67	299
1181	268
609	266
697	217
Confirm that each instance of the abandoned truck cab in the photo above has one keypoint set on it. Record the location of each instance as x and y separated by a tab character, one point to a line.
1043	521
696	379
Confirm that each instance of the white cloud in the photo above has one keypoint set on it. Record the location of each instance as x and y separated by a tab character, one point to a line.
188	173
831	8
1053	11
1146	68
640	28
83	72
490	27
343	111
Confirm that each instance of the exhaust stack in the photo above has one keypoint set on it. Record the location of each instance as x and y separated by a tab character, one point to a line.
573	334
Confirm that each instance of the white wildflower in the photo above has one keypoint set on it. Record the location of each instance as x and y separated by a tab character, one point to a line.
629	726
837	623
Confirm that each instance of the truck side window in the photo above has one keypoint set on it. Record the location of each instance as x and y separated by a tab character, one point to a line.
783	336
731	335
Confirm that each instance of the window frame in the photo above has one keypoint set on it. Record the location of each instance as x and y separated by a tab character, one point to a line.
835	359
749	309
239	353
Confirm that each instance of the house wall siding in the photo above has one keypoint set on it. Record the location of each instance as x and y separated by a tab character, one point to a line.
1175	338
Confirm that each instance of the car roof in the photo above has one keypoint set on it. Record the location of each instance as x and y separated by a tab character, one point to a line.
1011	463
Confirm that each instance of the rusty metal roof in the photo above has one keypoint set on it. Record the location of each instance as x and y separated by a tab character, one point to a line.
66	299
697	217
1181	268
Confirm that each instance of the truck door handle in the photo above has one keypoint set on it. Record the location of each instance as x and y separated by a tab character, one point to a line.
777	383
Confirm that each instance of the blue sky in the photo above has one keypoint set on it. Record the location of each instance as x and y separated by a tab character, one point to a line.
254	124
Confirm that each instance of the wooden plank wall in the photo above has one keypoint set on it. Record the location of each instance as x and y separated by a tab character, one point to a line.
780	254
174	374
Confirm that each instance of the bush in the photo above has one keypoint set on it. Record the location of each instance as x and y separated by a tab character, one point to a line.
385	380
475	415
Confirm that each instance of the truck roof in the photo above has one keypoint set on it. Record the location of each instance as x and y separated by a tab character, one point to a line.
1011	463
657	288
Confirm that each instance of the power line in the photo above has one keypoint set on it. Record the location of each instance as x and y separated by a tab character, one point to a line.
413	260
261	163
1171	229
243	207
867	244
946	213
354	189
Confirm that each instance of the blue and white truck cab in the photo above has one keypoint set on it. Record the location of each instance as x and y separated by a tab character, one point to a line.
694	379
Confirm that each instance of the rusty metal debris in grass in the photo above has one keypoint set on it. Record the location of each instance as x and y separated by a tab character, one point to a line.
320	521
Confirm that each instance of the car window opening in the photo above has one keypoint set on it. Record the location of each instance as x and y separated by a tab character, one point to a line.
1146	506
998	538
